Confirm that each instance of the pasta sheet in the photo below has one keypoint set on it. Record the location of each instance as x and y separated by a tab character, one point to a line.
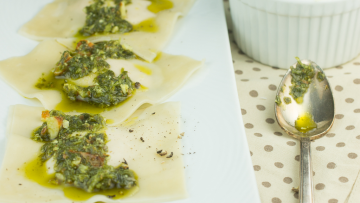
160	178
169	73
63	19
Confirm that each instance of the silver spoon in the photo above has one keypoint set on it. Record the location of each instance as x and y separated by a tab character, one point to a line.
318	102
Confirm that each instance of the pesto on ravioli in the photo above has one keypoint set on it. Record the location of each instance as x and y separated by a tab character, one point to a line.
102	18
89	58
78	145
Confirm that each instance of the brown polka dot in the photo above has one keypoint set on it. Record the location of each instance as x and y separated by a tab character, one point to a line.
257	168
272	87
339	67
343	179
338	88
249	125
357	81
266	184
260	107
239	72
251	153
313	173
275	200
352	155
258	134
278	133
350	127
357	63
296	195
320	186
331	165
291	143
297	157
347	73
281	76
340	144
279	164
276	68
358	137
333	201
233	61
264	78
244	80
243	111
253	93
288	180
349	100
339	116
249	61
268	148
320	148
329	76
357	111
270	120
256	69
330	135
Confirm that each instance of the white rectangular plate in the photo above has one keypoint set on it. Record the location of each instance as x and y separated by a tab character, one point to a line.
217	161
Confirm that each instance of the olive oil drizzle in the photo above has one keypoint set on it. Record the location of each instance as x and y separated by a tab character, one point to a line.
160	5
305	123
143	69
148	25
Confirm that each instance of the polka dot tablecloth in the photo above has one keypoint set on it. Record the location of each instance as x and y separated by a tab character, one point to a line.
275	155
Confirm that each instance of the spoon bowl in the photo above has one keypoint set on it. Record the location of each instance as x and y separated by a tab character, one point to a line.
318	103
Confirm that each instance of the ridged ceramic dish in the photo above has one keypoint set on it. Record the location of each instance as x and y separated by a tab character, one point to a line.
273	32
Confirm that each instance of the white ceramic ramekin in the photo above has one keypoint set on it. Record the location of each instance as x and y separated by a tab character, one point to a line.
273	32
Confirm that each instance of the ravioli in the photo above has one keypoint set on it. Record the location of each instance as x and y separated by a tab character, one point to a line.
160	178
63	19
160	79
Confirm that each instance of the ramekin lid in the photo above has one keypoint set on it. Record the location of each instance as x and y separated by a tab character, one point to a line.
304	8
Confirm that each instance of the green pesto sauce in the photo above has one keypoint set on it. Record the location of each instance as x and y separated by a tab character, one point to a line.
277	100
320	76
35	170
287	100
107	91
282	88
89	58
67	105
80	153
302	76
106	17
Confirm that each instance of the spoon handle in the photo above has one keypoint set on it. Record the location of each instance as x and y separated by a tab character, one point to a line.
306	186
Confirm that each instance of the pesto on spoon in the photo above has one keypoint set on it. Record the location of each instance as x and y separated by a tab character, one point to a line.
309	118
